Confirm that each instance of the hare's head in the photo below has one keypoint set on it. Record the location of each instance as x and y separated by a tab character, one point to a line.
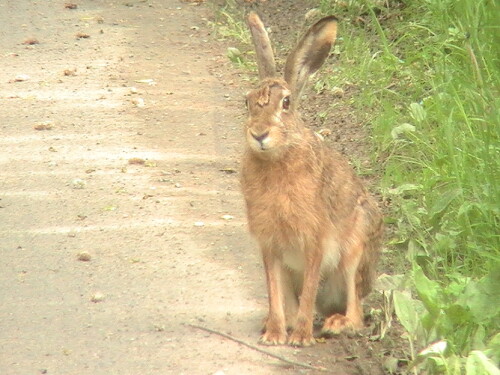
272	122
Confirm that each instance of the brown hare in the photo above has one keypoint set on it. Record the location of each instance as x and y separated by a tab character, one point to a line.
318	228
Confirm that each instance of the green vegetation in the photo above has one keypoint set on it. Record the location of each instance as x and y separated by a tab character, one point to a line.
426	78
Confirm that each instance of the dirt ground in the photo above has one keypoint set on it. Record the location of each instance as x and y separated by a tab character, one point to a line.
120	137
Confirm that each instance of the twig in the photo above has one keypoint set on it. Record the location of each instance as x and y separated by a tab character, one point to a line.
256	348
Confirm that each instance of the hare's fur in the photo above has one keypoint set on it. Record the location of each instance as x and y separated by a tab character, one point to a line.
318	228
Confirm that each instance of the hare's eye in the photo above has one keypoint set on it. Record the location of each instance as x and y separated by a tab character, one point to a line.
246	103
286	102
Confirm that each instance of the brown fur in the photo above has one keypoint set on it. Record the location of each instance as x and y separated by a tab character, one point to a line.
318	229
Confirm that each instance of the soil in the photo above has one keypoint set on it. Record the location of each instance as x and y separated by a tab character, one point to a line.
121	221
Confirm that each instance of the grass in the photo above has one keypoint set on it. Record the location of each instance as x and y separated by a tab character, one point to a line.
229	24
426	74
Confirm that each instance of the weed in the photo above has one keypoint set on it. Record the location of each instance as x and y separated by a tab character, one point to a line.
229	25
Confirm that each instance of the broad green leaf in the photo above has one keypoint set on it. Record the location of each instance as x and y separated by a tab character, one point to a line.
479	364
428	291
458	314
406	311
482	297
405	189
401	130
417	112
387	283
443	202
478	339
415	249
494	348
234	54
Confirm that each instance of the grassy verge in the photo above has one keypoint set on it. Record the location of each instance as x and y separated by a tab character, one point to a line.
428	74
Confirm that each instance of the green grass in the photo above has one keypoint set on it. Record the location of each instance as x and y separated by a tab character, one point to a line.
428	80
229	25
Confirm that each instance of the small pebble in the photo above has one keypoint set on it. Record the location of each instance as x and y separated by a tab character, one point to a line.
78	183
21	77
84	256
138	102
97	297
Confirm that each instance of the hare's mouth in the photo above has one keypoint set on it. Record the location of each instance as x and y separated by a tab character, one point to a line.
260	147
259	141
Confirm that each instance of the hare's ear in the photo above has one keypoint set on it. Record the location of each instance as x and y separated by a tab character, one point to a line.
263	48
310	53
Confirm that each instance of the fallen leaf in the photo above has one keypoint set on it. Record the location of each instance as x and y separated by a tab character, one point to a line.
82	36
325	132
149	81
228	170
70	72
338	92
78	183
138	102
136	161
46	125
21	78
351	357
97	297
31	41
84	256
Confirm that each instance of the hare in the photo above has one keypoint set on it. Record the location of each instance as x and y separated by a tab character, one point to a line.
318	228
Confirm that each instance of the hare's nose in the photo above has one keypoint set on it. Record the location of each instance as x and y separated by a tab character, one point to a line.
260	137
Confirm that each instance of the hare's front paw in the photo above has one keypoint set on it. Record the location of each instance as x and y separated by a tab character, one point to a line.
338	323
273	338
301	338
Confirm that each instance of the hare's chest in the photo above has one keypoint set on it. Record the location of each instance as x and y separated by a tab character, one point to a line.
287	202
284	211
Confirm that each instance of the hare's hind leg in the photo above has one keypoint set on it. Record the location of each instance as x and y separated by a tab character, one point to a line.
348	272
